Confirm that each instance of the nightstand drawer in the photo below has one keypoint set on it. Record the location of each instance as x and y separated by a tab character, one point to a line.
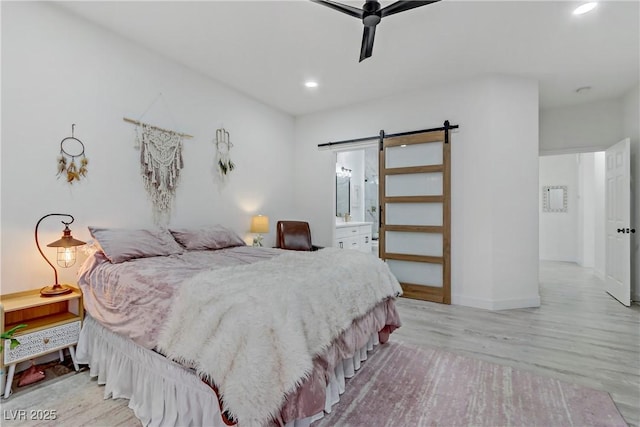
41	342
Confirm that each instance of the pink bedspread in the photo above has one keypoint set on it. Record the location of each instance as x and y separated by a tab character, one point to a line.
133	298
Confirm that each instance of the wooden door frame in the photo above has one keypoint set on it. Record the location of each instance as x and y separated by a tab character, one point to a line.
441	294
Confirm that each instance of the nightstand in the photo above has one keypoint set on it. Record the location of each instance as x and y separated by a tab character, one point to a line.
53	324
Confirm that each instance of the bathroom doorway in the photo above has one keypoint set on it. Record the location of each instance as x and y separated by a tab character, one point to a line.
357	189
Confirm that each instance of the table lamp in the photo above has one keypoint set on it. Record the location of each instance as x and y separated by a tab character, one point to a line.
259	224
66	255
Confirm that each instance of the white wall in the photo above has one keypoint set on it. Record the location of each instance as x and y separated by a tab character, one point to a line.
58	70
586	210
591	230
599	218
559	230
494	250
587	127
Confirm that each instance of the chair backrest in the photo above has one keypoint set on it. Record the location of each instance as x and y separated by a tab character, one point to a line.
293	235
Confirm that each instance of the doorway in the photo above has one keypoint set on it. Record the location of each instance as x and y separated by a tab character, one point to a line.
414	207
357	189
574	234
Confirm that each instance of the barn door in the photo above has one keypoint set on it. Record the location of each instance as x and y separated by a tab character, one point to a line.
415	210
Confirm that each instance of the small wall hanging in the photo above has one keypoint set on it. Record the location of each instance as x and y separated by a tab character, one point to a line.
71	148
223	147
160	164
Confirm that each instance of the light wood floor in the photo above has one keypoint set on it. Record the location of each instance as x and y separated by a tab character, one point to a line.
579	334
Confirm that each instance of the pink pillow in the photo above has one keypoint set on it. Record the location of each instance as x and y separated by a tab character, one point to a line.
208	237
120	244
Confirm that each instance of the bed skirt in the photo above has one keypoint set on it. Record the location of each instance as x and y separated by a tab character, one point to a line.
164	393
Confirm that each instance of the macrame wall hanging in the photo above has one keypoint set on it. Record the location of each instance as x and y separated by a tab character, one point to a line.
71	148
223	148
160	164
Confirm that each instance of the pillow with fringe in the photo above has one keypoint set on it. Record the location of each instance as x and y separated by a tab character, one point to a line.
121	244
208	237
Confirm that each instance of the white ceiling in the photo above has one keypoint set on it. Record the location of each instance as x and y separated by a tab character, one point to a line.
267	49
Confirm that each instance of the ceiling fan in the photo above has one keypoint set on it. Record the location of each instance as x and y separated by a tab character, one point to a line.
371	14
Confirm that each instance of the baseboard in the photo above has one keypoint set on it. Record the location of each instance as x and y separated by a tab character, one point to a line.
570	150
561	259
507	304
599	274
504	304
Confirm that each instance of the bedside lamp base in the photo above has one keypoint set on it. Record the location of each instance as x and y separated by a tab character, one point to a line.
257	241
55	290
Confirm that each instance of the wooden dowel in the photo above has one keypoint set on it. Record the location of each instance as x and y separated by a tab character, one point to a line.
136	122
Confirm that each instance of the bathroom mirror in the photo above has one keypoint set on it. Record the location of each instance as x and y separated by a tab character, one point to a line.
554	198
343	193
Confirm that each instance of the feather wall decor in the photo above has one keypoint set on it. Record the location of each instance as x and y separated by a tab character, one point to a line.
71	148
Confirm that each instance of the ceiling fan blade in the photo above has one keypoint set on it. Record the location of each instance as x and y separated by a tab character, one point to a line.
401	6
367	42
349	10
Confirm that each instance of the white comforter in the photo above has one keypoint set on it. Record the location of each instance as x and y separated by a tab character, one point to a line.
253	330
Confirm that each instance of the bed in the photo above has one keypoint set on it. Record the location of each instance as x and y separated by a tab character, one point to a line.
196	328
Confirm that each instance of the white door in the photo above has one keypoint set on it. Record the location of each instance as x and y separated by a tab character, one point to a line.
618	222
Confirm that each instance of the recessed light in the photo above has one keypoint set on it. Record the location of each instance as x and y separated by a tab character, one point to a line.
311	84
587	7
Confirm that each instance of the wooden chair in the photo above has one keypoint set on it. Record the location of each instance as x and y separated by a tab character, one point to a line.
295	236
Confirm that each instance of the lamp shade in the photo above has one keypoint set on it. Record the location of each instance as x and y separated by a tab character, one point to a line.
66	241
260	224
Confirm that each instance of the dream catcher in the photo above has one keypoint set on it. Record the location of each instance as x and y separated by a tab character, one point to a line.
223	147
72	163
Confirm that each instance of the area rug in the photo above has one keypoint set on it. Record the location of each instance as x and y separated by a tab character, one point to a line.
408	386
399	386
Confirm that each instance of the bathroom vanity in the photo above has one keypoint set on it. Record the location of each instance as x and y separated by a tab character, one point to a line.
353	235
